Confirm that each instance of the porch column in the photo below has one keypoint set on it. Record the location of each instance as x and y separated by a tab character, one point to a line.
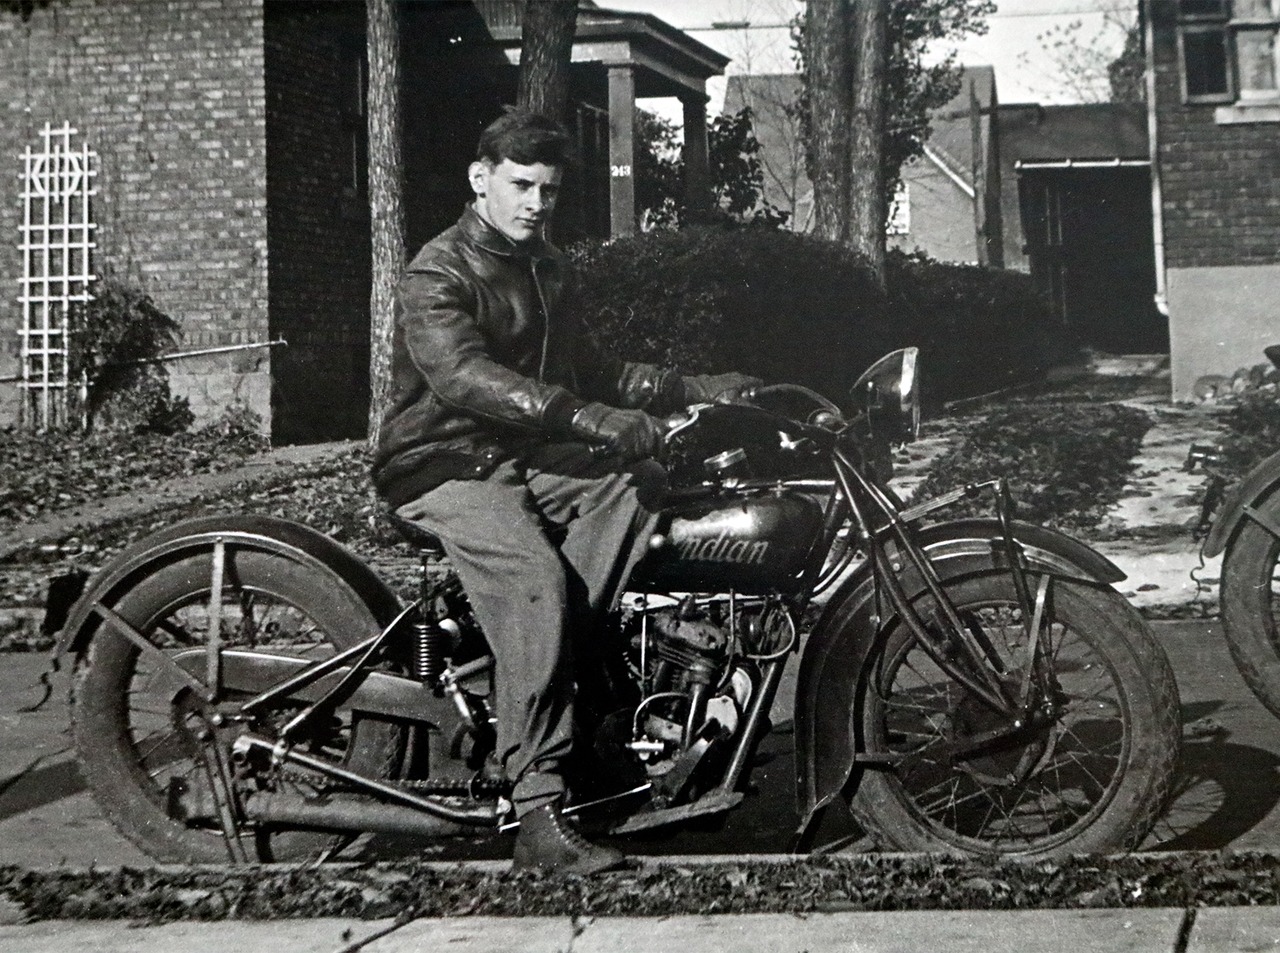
697	175
622	153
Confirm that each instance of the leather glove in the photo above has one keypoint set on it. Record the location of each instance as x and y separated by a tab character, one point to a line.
626	434
719	388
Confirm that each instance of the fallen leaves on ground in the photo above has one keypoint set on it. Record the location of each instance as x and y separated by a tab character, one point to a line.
1065	463
42	474
812	884
332	495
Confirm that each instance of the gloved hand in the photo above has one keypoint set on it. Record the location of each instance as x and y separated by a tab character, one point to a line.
626	434
719	388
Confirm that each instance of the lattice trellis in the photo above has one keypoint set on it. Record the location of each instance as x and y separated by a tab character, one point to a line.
57	239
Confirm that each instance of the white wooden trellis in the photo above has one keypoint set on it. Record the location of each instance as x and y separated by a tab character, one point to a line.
57	238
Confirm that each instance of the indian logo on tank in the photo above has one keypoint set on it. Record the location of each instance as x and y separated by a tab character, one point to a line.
723	549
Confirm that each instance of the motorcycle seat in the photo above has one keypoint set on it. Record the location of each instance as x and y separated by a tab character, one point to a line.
424	540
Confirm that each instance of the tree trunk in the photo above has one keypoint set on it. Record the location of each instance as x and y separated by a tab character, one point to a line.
386	197
866	210
546	48
830	76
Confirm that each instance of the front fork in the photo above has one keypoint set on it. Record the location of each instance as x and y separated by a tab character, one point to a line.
978	667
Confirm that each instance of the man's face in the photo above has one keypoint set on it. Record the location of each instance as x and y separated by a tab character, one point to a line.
515	199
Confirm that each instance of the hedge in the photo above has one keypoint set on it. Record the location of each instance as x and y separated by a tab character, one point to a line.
790	307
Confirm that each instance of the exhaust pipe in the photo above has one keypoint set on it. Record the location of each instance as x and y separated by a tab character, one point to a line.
339	812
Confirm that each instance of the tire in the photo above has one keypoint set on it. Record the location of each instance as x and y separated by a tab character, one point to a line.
1250	605
1094	779
132	736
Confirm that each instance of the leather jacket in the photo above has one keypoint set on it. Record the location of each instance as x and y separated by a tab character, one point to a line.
489	358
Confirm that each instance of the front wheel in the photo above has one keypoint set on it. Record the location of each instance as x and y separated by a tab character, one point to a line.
1089	773
1251	606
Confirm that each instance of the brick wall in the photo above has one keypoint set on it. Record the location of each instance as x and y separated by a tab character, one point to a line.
1221	183
170	95
1221	204
318	219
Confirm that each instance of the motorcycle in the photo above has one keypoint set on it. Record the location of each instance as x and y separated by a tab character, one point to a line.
1246	531
248	689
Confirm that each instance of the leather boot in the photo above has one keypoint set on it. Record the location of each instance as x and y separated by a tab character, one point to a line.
548	842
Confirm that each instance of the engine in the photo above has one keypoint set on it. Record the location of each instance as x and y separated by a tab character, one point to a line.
696	659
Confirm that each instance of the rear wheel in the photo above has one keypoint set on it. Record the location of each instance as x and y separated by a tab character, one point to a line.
1251	604
151	748
1090	773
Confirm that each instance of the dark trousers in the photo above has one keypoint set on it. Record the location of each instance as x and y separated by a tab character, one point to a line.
543	548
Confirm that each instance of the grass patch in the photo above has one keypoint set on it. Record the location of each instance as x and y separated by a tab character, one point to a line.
1066	463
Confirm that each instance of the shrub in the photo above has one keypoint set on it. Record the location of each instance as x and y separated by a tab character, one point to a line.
115	340
751	299
795	308
1253	432
978	329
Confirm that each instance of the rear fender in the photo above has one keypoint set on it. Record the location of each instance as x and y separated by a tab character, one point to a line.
263	533
1258	484
839	647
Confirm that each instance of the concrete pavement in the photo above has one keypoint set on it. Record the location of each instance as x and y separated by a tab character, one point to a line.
1228	794
1158	930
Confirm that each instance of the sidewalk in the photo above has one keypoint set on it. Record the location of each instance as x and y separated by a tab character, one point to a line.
1159	930
1156	513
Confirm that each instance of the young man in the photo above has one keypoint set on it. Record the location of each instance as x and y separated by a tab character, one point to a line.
498	398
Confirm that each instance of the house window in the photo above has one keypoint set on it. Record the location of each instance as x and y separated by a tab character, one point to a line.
899	222
1228	50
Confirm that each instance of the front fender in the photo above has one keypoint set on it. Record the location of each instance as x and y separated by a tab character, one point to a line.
839	646
1260	482
264	533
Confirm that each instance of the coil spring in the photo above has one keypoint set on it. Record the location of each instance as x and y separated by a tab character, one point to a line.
431	646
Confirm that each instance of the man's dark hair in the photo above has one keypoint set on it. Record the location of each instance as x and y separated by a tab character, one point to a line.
525	137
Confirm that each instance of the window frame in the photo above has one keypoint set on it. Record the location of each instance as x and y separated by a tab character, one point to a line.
1223	20
1204	23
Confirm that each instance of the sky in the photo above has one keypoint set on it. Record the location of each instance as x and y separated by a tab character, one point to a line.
1023	68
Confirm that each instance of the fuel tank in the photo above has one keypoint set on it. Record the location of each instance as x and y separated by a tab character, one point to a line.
752	542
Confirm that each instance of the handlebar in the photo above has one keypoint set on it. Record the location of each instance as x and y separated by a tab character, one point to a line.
827	418
672	425
798	389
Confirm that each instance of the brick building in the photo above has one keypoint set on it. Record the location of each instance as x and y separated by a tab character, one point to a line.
232	179
180	101
1214	116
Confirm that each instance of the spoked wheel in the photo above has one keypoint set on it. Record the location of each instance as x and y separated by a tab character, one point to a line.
156	754
1089	772
1251	604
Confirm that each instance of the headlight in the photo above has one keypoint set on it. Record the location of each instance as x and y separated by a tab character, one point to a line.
889	392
